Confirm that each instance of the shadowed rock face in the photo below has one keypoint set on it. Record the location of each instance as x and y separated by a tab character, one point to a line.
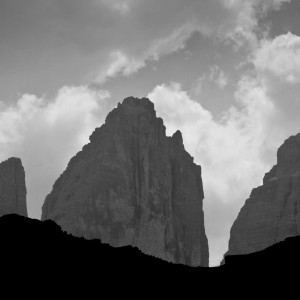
272	213
132	185
12	188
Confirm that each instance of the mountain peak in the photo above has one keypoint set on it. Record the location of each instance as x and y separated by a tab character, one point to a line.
139	102
132	108
133	185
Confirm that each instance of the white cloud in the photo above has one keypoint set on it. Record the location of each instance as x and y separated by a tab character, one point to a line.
120	64
222	80
122	6
244	23
215	75
47	133
280	57
247	14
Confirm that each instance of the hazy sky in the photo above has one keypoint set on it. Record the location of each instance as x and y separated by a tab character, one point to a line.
224	72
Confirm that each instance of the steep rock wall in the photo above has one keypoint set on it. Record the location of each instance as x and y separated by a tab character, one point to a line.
272	213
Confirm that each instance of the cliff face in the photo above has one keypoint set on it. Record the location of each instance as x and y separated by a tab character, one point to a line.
272	213
132	185
12	188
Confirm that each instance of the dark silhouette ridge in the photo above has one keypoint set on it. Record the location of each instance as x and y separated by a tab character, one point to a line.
40	248
133	185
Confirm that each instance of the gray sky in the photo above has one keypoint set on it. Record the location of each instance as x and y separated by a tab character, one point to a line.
224	72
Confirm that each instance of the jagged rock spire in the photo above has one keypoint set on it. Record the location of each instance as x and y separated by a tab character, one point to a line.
12	187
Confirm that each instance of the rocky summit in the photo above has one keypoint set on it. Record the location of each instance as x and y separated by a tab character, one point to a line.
272	213
12	188
133	185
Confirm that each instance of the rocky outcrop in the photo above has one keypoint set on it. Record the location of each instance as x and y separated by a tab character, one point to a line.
272	213
12	188
133	185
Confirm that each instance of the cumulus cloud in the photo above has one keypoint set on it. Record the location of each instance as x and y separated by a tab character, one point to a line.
280	57
234	152
277	66
47	133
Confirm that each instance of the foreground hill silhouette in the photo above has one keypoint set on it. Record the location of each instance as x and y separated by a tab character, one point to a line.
31	246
